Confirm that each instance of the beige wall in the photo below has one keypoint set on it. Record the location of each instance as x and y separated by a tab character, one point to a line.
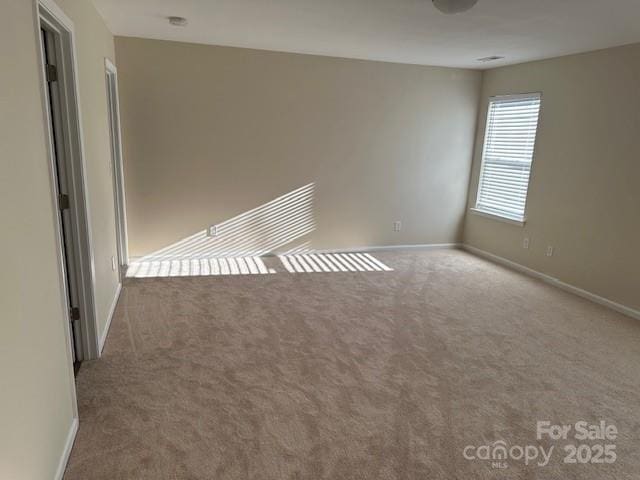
94	43
584	198
37	403
210	132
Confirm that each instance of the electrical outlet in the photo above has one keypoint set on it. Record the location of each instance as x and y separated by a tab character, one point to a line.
397	226
114	265
212	231
549	251
525	243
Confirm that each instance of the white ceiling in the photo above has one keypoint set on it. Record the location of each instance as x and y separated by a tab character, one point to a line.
405	31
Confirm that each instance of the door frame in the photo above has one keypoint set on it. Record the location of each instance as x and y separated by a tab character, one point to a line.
117	167
49	16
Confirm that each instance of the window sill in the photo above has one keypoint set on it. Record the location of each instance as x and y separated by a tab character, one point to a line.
500	218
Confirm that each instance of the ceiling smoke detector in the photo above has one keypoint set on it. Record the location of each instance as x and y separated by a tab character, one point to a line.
178	21
454	6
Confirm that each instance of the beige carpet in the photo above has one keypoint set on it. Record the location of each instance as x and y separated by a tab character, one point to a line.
371	375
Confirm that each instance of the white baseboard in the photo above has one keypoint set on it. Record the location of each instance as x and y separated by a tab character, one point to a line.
112	309
425	246
71	436
618	307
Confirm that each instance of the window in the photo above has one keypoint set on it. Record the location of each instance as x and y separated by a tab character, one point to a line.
512	123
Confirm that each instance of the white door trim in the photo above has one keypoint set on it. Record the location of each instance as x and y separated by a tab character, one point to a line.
113	103
47	13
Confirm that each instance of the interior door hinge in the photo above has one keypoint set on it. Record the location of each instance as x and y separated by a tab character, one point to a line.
75	313
63	201
51	73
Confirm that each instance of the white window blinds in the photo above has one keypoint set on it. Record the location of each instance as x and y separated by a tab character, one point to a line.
512	123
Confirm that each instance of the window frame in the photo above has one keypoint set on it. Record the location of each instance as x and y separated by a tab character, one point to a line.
493	214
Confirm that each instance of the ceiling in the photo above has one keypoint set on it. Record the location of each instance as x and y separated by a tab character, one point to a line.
404	31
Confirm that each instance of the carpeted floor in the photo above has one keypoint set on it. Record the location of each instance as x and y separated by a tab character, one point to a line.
369	375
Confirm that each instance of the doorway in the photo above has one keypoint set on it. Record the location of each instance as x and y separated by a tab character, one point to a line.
111	74
63	186
67	179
